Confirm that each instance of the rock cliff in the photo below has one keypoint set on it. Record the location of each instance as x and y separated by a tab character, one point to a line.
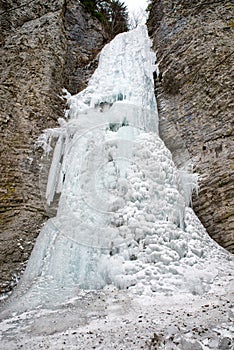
194	45
45	46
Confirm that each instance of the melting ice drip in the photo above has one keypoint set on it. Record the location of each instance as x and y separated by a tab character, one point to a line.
123	215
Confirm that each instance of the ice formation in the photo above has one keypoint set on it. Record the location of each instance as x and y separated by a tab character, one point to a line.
123	216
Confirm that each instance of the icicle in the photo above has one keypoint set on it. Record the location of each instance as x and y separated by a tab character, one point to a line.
54	174
188	184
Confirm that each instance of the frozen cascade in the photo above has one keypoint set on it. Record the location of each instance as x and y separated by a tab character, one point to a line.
123	216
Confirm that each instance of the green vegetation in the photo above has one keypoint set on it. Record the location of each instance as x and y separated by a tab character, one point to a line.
112	13
149	6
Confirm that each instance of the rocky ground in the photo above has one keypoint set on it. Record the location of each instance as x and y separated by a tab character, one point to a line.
111	319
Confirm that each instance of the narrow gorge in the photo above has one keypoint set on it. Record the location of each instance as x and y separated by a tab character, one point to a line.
112	141
45	48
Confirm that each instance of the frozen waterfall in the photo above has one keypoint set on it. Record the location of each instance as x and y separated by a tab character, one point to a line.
123	217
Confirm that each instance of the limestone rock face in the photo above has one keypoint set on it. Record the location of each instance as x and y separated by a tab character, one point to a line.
85	39
45	46
194	45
